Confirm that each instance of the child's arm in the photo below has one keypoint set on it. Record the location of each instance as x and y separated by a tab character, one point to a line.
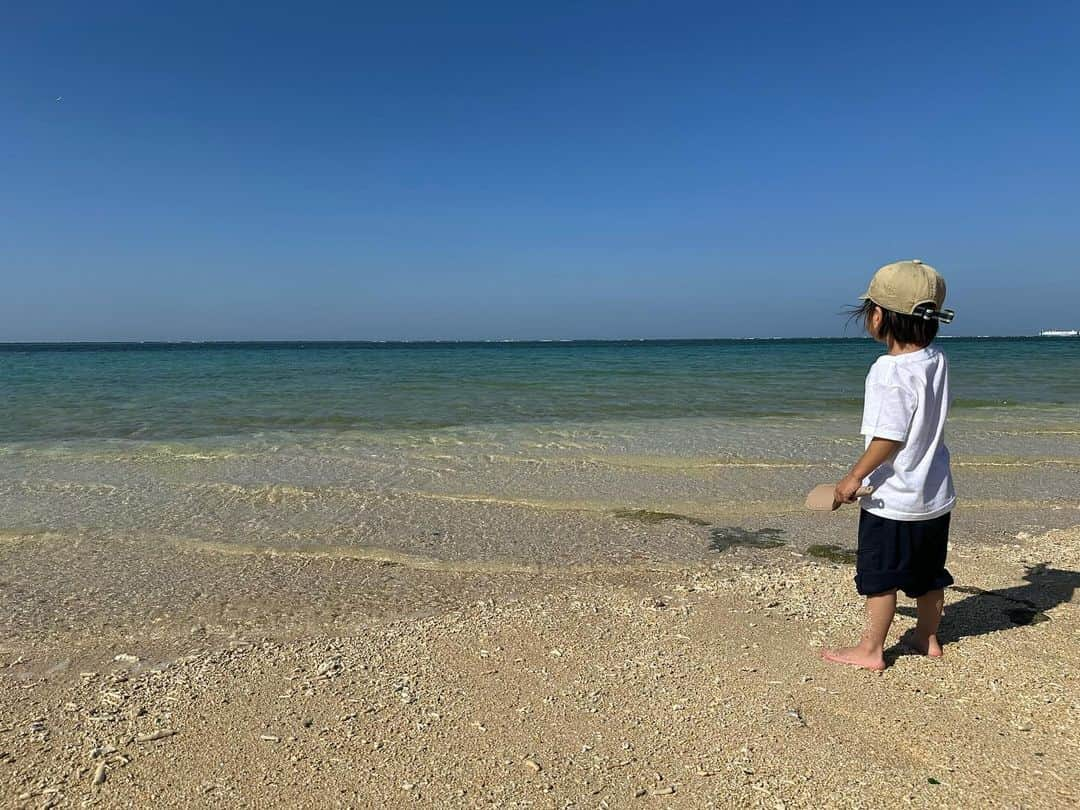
877	453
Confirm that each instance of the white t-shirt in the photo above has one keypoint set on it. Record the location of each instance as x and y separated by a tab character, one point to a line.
907	400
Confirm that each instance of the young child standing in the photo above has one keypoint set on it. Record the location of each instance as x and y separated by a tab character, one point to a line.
904	524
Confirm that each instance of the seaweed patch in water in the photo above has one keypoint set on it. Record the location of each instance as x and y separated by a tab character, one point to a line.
724	537
649	516
833	553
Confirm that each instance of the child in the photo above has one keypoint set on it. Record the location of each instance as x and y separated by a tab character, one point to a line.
904	524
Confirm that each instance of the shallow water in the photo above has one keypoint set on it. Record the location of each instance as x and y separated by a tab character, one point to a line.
551	453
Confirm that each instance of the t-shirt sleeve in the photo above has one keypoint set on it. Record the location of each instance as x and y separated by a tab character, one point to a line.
888	408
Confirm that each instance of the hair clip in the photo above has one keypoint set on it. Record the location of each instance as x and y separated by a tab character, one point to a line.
928	313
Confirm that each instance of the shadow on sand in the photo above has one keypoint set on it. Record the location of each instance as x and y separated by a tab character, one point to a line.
989	611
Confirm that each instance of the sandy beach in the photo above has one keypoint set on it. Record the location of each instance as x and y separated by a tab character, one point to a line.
618	686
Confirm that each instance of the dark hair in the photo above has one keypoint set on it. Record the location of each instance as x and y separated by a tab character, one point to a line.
907	329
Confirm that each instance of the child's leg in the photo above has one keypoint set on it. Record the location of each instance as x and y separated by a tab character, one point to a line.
869	653
924	637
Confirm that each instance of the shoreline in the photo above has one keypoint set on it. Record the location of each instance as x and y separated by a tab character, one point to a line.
344	618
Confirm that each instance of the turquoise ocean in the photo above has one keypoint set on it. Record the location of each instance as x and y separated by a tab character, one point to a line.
550	452
55	392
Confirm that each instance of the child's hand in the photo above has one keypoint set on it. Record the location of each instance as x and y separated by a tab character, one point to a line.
877	453
846	488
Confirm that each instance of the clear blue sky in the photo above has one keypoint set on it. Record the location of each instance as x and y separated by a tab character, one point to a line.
527	170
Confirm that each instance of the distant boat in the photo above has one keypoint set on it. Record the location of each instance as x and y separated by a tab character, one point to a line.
1059	333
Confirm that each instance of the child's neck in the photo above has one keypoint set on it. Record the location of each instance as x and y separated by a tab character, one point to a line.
895	347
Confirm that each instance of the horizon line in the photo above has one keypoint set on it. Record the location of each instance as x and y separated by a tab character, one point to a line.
383	341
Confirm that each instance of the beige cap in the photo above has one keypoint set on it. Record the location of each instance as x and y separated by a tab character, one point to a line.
903	286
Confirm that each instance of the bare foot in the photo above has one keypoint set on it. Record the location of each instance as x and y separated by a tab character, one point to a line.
929	645
855	657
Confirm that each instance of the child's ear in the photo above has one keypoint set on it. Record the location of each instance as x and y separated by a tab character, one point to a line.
874	322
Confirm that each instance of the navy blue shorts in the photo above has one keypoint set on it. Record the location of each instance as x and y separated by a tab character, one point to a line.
908	555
